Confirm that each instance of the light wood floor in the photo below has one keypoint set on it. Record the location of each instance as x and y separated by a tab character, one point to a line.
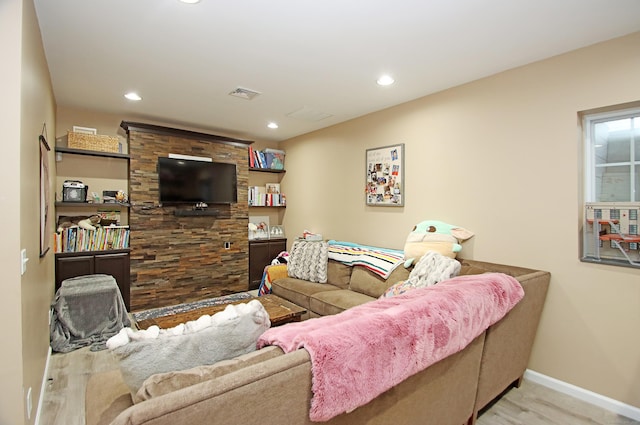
531	404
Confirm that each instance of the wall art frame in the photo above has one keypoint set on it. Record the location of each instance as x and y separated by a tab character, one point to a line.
45	197
385	176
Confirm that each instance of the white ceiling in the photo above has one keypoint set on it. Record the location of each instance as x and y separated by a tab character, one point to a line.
317	57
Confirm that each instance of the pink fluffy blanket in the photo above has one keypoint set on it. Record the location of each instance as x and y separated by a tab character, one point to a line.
362	352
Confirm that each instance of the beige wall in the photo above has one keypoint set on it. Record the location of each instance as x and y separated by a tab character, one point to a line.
11	404
26	104
37	117
501	157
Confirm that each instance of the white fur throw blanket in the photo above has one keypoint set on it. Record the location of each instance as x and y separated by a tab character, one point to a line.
225	335
362	352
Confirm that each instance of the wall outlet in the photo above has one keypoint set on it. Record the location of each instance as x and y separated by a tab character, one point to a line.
227	245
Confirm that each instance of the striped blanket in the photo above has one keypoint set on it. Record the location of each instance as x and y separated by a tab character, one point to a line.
381	261
270	274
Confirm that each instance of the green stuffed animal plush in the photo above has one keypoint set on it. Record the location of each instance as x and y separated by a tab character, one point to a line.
432	235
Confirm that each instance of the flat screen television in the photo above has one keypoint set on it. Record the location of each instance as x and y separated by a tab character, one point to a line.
185	181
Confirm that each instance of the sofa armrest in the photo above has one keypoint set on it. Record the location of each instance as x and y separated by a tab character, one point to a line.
508	343
243	396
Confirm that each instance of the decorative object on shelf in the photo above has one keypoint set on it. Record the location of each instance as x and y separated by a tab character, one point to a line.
74	191
109	217
88	223
258	227
276	231
310	236
272	188
109	196
385	176
45	196
121	196
275	158
114	196
93	142
272	159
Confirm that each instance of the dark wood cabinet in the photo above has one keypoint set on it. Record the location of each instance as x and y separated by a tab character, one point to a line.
115	263
261	252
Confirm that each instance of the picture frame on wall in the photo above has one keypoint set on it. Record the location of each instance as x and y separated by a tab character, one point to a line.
385	176
45	196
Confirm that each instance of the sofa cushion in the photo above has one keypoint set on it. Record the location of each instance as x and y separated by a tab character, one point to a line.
164	383
298	291
308	261
334	302
368	283
338	274
230	333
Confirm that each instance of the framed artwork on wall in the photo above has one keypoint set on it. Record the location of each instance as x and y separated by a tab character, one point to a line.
385	176
45	227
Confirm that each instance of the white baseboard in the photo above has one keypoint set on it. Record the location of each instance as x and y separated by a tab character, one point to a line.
585	395
43	388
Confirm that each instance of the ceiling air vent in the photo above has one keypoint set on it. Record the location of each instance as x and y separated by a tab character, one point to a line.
243	93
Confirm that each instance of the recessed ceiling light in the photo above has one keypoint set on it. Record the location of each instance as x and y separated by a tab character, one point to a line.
272	125
385	80
189	1
133	96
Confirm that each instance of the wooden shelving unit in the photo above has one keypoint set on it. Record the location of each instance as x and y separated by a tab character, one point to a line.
115	262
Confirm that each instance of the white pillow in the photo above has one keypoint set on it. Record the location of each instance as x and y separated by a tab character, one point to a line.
308	260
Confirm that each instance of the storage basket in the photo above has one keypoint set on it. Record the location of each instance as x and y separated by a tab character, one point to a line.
93	142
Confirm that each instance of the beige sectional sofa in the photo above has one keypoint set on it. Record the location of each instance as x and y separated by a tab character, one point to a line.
270	387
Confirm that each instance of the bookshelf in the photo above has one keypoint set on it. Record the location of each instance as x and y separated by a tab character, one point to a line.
262	251
105	250
258	194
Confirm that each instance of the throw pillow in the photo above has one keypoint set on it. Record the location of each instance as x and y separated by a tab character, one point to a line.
431	269
228	334
308	261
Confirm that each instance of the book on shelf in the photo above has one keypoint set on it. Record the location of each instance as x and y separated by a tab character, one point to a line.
76	239
252	158
272	159
259	197
275	158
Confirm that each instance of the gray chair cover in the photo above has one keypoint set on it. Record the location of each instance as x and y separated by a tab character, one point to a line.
87	310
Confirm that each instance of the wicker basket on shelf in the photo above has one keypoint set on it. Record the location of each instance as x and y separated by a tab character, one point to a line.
93	142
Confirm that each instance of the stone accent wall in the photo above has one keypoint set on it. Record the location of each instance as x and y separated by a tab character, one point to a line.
183	259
